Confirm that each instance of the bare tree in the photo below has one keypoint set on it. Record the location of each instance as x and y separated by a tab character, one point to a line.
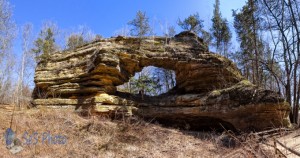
282	22
7	34
26	33
79	37
168	30
87	33
124	31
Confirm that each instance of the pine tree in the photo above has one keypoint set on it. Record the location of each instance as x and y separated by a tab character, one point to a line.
44	45
217	25
246	25
220	30
192	23
140	25
226	36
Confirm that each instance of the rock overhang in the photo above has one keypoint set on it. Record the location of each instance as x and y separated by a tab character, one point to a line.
207	84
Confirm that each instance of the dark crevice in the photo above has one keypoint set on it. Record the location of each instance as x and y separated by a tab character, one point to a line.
197	124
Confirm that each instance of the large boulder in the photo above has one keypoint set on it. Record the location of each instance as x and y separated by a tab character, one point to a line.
209	90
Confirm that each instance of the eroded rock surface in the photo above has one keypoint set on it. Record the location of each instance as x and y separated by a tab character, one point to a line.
209	88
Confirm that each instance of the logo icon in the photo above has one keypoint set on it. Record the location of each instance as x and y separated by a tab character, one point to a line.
12	143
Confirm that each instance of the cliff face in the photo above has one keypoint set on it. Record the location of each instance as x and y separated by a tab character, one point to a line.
209	88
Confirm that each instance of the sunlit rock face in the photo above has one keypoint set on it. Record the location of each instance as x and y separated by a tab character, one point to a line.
209	90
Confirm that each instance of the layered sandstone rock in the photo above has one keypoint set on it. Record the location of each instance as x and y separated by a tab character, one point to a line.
209	88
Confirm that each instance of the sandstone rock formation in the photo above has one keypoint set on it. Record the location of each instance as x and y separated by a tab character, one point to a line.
210	90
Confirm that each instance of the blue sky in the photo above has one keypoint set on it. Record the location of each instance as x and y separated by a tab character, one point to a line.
105	17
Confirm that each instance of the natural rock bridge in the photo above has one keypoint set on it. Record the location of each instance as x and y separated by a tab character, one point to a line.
209	89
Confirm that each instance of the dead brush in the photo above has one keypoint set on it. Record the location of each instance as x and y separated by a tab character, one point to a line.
249	144
128	136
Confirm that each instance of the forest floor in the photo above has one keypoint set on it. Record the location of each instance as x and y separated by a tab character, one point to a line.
289	145
63	133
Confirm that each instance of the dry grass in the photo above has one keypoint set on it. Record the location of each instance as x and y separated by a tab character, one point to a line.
101	137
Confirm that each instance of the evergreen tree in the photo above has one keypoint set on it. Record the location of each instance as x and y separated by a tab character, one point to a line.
192	23
144	84
226	36
44	45
246	24
217	25
140	25
220	30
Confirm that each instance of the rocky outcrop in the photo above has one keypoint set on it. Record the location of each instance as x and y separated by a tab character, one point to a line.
209	88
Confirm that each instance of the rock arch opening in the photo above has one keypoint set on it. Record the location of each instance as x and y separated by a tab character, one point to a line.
151	81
